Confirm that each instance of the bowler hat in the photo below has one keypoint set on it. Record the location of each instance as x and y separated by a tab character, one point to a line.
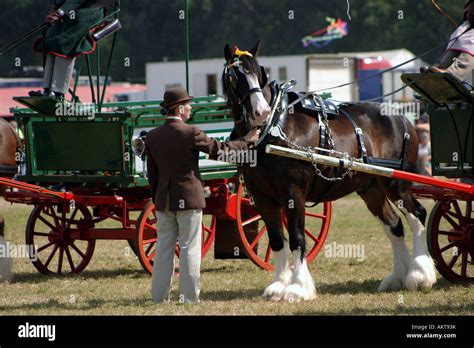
175	96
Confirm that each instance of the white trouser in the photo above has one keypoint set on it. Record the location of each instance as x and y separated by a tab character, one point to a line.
459	64
184	226
58	73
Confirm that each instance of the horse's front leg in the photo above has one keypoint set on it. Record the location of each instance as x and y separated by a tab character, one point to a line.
271	215
302	284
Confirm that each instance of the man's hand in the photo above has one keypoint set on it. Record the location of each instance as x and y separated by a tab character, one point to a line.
253	135
53	17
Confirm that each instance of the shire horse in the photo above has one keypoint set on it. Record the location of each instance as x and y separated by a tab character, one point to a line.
9	144
276	181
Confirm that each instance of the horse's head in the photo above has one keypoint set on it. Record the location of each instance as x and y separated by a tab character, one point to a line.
243	80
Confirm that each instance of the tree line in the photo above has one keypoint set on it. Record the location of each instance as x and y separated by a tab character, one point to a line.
154	30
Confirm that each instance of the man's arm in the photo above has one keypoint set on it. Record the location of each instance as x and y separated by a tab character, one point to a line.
214	147
152	171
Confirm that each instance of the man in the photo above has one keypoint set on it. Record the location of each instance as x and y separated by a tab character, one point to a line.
459	56
177	192
68	37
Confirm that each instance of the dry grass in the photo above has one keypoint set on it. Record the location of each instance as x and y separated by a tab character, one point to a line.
114	284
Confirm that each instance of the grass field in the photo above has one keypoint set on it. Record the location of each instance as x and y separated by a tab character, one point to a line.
115	284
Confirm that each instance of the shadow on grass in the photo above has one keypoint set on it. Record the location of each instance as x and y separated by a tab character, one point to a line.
370	286
96	274
367	286
221	269
231	295
422	309
84	305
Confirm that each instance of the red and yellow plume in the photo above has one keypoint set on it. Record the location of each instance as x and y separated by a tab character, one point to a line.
240	53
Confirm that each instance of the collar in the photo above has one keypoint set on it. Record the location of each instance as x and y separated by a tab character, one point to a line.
174	118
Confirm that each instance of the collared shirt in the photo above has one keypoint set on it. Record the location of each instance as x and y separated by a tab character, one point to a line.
465	43
174	118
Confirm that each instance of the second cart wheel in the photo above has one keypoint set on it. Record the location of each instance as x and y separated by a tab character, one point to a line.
450	235
253	232
146	236
55	234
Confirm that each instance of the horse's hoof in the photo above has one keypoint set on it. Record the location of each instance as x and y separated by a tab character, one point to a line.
392	282
421	274
296	293
274	292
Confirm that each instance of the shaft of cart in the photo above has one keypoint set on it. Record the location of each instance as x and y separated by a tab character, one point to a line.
368	168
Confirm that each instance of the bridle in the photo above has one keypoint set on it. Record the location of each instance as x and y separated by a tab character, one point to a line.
231	80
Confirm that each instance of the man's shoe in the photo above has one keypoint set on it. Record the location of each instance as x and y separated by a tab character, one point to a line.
41	93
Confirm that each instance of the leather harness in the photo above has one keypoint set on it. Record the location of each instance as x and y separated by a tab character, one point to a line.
325	109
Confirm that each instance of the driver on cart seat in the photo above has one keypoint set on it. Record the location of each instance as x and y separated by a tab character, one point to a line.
458	59
68	37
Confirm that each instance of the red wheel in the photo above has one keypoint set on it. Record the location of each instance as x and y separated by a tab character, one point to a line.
451	240
254	238
146	236
55	234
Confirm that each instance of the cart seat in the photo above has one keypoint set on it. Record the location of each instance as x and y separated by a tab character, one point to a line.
438	88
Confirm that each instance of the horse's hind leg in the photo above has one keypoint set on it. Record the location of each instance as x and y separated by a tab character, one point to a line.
302	284
378	204
271	215
421	272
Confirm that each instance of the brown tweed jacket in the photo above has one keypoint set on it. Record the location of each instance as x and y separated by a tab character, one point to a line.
173	163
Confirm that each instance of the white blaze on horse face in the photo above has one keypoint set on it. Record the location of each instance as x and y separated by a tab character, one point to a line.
260	108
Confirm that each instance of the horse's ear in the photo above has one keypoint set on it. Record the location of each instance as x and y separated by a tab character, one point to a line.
228	53
256	49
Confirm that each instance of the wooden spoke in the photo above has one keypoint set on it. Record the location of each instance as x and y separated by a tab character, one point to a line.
42	234
150	257
151	227
451	221
147	251
457	208
447	247
56	247
312	236
60	262
269	251
257	238
73	215
464	263
69	258
47	223
148	241
249	221
453	260
319	216
77	250
44	247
